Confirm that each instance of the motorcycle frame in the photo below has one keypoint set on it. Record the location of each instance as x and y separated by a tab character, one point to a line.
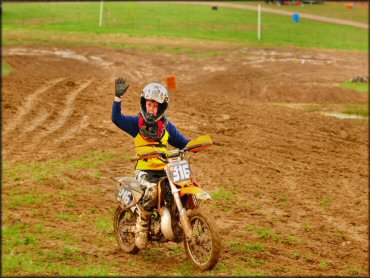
184	220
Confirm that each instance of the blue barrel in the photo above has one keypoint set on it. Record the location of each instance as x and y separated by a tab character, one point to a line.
296	18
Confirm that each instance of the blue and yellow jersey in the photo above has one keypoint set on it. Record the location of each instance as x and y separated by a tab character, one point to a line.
130	124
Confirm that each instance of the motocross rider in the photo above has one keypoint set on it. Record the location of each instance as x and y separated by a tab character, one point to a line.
152	131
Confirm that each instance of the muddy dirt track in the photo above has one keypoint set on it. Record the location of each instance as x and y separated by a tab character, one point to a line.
300	175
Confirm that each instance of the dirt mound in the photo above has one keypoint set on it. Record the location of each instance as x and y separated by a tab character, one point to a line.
293	182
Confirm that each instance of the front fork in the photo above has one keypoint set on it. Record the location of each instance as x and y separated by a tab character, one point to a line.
183	215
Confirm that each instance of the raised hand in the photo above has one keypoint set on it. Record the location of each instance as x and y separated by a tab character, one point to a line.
121	87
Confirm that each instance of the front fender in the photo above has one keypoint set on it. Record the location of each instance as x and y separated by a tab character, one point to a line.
198	192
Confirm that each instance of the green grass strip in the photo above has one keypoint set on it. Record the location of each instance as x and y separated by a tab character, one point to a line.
42	171
356	109
23	254
6	69
177	21
360	87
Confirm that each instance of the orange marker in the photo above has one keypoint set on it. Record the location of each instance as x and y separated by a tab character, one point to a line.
171	82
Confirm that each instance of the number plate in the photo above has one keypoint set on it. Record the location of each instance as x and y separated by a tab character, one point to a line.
180	171
124	195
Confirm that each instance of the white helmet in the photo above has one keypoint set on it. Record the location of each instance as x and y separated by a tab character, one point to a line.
158	93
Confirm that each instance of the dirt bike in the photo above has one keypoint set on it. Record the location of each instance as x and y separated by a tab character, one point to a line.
178	215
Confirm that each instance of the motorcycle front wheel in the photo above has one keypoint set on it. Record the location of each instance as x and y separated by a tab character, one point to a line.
124	230
204	248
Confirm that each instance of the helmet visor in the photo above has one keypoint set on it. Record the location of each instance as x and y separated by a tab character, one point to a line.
156	95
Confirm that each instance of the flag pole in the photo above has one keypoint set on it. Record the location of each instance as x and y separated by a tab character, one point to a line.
101	13
259	21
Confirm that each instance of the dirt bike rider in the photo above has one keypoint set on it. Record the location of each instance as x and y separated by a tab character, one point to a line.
151	131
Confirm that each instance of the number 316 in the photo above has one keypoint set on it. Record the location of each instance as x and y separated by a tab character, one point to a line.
181	172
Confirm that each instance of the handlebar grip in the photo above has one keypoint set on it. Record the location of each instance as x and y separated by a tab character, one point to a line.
135	158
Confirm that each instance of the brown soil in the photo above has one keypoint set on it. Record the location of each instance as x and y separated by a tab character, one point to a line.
279	163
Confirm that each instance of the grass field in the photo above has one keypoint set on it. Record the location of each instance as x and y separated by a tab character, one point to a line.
170	20
57	215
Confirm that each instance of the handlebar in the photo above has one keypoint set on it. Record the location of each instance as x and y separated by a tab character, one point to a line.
163	156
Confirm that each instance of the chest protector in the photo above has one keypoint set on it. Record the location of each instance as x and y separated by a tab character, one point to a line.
150	139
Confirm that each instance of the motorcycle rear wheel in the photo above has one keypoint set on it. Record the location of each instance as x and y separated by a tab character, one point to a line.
124	230
204	250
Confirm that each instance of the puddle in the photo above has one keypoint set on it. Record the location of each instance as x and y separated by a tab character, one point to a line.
315	108
256	60
67	54
343	116
70	54
263	56
214	69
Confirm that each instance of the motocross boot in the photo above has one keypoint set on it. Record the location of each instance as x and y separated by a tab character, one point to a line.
142	228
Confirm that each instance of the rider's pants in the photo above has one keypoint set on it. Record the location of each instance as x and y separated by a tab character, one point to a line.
148	182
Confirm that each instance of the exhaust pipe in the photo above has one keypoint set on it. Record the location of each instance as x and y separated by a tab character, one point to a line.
166	227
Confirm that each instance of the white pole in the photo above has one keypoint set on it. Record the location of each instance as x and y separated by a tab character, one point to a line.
101	13
259	21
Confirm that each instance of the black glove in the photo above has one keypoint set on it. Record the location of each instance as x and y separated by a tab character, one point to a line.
121	87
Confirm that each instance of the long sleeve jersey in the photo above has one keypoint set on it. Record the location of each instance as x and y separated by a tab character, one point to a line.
130	124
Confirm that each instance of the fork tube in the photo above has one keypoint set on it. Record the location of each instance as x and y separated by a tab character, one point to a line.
183	216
